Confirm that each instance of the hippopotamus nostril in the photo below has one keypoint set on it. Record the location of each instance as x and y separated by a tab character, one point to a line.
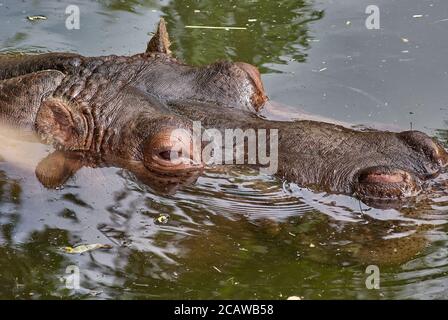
422	143
386	183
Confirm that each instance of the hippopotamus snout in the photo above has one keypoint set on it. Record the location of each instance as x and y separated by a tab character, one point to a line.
435	153
386	183
393	183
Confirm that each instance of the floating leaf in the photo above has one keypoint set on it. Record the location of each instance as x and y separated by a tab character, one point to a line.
162	219
35	18
86	247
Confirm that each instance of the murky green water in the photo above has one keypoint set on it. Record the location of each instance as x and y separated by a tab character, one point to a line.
235	234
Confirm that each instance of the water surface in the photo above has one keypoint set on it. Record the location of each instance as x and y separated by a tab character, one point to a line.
235	233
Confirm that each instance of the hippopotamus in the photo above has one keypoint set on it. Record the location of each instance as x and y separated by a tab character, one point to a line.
126	111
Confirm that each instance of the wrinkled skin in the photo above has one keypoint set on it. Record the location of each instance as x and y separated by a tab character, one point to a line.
121	111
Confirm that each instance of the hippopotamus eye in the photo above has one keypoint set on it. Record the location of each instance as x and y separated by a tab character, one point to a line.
170	151
165	155
171	155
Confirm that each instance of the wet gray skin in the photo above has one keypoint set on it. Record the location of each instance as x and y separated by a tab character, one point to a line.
116	108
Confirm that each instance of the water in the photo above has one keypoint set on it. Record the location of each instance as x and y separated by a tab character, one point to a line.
236	234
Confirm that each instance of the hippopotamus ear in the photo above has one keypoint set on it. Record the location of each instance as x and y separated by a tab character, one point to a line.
160	42
60	123
55	169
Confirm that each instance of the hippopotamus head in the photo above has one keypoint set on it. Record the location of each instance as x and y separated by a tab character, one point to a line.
136	112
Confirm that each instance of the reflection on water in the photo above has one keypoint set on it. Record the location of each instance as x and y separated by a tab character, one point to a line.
234	233
274	30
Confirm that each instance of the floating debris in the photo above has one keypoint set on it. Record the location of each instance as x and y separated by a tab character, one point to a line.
216	268
294	298
347	23
86	247
417	16
323	69
251	20
197	11
405	40
406	60
95	293
162	219
36	18
141	284
442	20
312	245
214	27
